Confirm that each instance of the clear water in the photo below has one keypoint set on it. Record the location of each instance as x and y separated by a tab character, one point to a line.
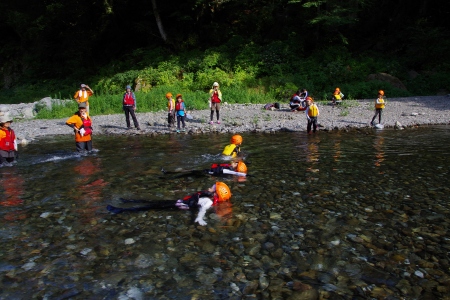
357	214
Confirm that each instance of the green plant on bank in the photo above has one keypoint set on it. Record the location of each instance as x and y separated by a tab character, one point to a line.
344	113
267	117
253	74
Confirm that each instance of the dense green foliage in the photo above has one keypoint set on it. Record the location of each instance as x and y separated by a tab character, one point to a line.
259	51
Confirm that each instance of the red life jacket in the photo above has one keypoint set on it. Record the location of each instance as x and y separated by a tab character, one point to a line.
128	99
179	106
87	125
219	165
215	98
7	143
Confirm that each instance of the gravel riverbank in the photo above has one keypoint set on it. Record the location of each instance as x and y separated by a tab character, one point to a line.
235	118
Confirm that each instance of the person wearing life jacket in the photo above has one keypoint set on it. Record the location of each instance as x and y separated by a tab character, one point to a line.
201	200
312	112
170	110
297	102
235	168
8	143
82	126
180	111
380	104
215	98
129	107
234	148
83	94
337	96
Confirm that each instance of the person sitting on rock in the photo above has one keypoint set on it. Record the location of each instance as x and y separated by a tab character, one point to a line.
233	149
8	142
337	96
201	200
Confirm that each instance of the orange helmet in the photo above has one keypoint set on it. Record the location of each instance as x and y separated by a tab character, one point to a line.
337	89
168	95
223	191
236	139
241	167
309	98
381	92
179	96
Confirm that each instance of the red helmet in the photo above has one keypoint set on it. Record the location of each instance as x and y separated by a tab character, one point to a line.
236	139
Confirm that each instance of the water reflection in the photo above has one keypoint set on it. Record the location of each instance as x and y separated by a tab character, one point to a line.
12	187
358	215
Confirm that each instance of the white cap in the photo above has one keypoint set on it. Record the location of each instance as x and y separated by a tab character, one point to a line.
215	84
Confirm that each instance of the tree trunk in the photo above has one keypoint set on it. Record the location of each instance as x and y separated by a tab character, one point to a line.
159	22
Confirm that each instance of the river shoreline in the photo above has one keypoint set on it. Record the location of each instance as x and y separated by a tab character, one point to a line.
399	113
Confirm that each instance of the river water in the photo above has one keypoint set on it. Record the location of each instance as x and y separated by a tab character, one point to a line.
341	215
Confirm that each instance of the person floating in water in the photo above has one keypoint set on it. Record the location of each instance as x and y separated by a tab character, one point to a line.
233	149
235	168
201	200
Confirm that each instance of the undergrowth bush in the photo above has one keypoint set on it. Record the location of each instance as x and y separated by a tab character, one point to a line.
246	72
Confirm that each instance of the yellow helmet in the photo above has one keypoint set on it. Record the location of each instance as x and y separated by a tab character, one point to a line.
168	95
241	167
223	191
236	139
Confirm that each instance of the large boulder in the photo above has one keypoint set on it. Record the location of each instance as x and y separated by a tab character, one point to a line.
394	81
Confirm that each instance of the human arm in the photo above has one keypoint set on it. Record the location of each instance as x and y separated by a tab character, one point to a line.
204	203
306	113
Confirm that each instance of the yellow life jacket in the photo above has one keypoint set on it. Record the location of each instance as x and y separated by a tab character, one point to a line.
173	104
313	110
379	103
230	150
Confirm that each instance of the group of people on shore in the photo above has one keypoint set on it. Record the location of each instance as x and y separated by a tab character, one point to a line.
300	101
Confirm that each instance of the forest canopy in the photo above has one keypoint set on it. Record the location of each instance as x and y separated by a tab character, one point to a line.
50	46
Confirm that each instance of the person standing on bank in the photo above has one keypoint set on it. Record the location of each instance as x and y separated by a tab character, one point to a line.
380	104
83	94
312	112
129	107
8	142
82	126
215	97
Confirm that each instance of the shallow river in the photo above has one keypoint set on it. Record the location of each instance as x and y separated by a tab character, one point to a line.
357	215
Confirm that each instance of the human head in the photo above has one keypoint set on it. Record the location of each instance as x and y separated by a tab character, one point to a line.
82	106
179	97
236	139
309	100
337	90
82	86
169	95
222	190
298	92
381	92
241	167
5	120
215	84
128	88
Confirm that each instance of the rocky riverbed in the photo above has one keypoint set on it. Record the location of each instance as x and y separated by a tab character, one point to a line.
399	113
